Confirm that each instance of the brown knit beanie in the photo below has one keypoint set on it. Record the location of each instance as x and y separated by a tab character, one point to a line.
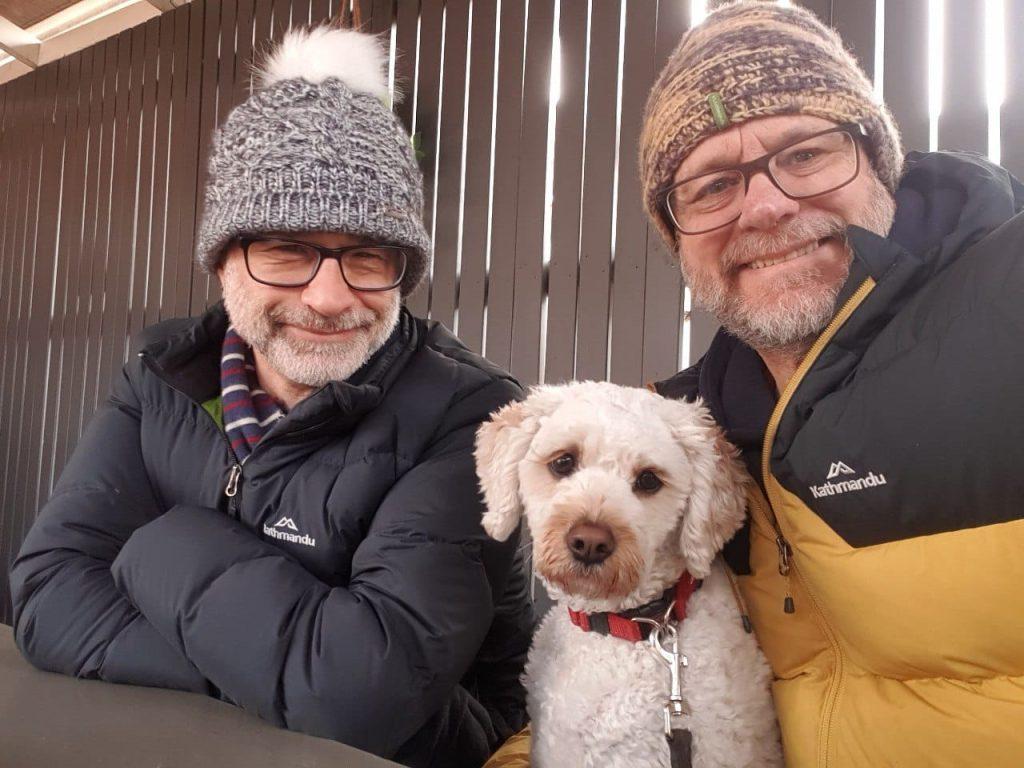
753	59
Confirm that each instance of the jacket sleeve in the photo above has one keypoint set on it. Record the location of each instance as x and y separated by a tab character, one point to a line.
68	615
376	664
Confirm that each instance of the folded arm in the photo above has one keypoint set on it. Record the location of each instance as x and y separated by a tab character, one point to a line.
69	617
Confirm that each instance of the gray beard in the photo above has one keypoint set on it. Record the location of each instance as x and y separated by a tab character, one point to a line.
803	303
307	362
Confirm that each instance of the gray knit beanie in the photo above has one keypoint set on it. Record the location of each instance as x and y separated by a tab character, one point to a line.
316	148
748	60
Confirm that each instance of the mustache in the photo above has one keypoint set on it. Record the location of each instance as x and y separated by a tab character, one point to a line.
307	318
756	245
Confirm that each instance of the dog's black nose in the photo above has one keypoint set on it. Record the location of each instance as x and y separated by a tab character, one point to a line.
590	544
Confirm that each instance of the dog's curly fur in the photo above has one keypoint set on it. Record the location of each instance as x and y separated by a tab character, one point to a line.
596	700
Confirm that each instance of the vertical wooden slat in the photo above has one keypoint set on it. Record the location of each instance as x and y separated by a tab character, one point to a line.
144	245
428	88
162	268
320	10
282	18
407	51
28	394
854	20
598	170
407	23
821	8
663	310
500	281
47	278
381	16
630	267
449	159
207	124
13	255
530	204
68	225
963	124
260	34
478	171
97	226
1012	112
567	187
906	70
6	136
114	322
244	51
184	113
13	137
73	246
187	101
20	257
13	103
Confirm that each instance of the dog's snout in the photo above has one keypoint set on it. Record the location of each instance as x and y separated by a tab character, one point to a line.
590	544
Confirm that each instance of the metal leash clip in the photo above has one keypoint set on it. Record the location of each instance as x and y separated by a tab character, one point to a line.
664	639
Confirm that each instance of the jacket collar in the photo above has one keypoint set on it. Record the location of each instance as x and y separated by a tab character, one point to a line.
188	359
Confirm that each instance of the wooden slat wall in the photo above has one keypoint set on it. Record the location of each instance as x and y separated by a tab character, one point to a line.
103	157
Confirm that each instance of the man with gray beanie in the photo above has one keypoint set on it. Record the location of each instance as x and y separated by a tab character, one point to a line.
278	504
870	369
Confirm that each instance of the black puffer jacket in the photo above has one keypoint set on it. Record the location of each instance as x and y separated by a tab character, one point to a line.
380	614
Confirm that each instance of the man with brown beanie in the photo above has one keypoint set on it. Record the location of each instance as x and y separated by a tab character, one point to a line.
278	504
870	368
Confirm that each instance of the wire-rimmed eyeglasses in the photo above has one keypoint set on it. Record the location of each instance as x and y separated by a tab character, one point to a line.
807	167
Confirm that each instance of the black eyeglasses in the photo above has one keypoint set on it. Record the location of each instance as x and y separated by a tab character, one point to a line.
814	165
285	263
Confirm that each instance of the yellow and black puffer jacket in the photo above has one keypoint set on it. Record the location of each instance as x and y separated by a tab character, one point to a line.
883	562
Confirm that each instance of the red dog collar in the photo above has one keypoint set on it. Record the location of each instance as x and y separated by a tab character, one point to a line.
622	624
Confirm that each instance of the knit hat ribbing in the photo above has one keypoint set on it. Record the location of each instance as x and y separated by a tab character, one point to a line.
761	59
316	149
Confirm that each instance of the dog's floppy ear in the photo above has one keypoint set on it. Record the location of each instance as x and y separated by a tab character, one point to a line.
501	444
717	502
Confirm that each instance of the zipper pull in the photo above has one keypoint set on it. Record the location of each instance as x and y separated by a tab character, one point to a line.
785	554
233	477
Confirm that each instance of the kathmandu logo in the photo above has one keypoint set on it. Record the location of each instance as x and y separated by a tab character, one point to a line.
280	531
837	468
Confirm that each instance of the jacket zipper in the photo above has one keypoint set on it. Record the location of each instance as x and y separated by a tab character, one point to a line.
234	480
231	489
787	564
781	542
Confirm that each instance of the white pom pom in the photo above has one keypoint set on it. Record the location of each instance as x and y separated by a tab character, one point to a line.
314	55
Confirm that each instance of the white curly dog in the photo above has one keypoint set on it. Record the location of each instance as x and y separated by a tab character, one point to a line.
628	497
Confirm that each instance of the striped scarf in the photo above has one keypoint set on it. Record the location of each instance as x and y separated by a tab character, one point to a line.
249	411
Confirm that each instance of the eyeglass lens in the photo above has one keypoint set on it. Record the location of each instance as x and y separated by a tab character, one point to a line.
811	167
284	263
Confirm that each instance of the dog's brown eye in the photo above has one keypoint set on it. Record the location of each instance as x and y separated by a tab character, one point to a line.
647	482
563	465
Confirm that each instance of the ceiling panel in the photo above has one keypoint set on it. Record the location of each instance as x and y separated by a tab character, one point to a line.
25	13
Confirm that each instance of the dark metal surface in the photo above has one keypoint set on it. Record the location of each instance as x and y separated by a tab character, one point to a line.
49	720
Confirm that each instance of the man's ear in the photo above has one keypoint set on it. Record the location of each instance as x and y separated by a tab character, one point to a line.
717	504
501	444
